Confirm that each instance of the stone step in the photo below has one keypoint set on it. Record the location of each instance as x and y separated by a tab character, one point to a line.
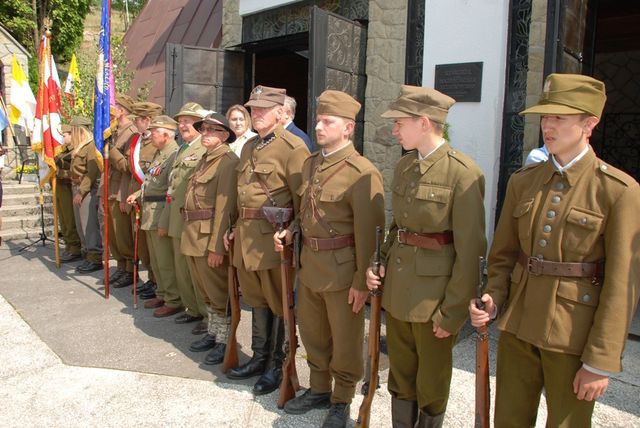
28	233
31	199
13	188
26	222
8	211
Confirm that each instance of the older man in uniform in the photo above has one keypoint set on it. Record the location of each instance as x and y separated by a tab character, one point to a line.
435	239
563	267
189	154
339	186
269	175
120	232
153	196
64	200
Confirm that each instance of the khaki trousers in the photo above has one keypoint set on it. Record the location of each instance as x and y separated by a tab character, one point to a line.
262	288
86	217
143	248
189	294
64	201
161	254
120	236
211	282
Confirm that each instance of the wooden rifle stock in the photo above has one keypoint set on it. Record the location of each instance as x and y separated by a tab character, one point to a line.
374	340
231	352
483	393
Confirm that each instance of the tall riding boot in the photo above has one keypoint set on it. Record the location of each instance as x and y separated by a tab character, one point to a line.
270	380
404	413
261	322
428	421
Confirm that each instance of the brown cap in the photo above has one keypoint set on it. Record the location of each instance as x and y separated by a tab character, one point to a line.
265	97
216	119
146	109
338	103
189	109
125	101
163	121
65	128
417	101
570	94
80	121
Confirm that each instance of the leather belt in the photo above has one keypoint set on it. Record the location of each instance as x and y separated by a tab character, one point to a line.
429	241
152	198
537	266
190	215
251	213
323	244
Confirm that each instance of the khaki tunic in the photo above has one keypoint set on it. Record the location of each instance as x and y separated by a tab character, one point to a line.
64	201
85	175
339	189
587	214
118	163
212	186
279	164
84	168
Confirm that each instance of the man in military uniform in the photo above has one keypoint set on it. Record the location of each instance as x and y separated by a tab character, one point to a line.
143	151
338	187
85	176
120	232
152	197
209	204
269	176
64	200
432	254
189	154
563	267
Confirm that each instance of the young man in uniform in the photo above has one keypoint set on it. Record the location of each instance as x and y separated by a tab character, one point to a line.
563	267
64	199
209	204
152	196
338	187
269	175
432	255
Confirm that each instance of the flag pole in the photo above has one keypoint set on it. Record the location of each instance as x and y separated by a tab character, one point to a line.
105	208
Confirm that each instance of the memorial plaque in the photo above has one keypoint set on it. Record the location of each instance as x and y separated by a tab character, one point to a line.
462	82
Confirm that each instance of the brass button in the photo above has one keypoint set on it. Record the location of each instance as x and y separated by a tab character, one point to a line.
317	180
546	228
409	199
540	256
559	186
556	199
405	215
583	220
551	214
587	297
603	167
432	195
542	243
398	260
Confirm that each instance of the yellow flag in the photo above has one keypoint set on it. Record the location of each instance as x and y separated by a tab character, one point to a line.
23	103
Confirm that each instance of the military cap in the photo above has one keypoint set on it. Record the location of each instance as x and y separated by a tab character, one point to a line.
216	119
265	97
189	109
163	121
146	109
125	101
65	128
570	94
417	101
80	121
338	103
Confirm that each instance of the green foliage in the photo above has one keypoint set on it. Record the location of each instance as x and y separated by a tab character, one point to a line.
17	17
27	169
67	26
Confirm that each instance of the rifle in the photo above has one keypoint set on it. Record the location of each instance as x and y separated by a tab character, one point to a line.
483	393
290	383
231	352
374	339
136	207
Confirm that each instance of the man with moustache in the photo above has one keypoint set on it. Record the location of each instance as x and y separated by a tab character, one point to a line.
269	175
339	185
563	267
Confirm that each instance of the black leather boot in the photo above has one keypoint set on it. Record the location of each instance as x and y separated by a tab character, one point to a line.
270	380
404	413
261	321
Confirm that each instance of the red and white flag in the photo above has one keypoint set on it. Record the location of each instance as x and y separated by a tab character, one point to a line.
134	158
47	136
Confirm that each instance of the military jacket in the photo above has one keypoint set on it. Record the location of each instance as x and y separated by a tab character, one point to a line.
278	163
156	183
84	167
443	192
186	160
63	162
336	190
588	213
147	152
118	165
212	186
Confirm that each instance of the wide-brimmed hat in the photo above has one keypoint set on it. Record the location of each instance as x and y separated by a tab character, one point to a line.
80	121
146	109
570	94
163	121
265	97
418	101
125	101
65	128
338	103
219	120
189	109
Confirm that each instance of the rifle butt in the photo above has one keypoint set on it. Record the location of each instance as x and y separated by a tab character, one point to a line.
482	379
287	390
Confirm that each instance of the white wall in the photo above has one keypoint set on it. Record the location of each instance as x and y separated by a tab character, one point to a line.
252	6
458	31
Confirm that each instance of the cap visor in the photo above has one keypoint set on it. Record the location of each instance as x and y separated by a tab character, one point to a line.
395	114
260	103
551	109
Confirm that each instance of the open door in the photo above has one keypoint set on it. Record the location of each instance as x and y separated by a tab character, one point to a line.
337	51
213	78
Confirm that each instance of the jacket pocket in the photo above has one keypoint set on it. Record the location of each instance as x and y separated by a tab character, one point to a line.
582	229
523	215
434	203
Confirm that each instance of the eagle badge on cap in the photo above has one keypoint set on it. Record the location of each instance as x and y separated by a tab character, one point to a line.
257	90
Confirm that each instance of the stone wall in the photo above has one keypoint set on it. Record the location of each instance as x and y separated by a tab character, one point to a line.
231	23
8	47
386	46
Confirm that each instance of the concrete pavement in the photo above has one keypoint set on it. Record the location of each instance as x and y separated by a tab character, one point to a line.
68	357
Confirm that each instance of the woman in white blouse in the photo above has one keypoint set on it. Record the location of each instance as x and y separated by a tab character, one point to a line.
240	122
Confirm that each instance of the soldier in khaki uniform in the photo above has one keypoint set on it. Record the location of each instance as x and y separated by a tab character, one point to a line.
120	232
64	200
563	267
209	204
152	196
85	176
435	239
143	112
171	222
338	187
269	175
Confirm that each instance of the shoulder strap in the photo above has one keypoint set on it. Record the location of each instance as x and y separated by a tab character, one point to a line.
261	182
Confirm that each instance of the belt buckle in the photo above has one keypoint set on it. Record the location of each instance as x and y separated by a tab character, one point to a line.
315	246
401	230
534	267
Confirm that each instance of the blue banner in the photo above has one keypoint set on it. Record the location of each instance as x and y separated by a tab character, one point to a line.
103	94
